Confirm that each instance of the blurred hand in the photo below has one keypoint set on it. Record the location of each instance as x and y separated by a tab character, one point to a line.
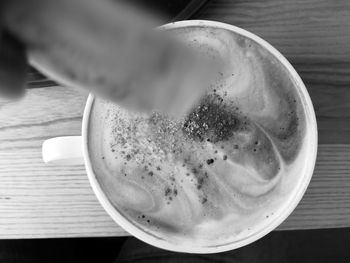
107	47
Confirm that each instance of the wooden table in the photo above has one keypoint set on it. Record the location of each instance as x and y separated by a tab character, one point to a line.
38	200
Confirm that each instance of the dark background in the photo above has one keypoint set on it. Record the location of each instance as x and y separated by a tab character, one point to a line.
279	246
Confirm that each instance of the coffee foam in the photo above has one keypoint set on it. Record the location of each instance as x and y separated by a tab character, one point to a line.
221	172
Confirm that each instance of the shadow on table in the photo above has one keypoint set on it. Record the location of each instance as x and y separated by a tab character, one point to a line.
285	246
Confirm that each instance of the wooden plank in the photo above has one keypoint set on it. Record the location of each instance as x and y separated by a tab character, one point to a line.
314	35
326	203
38	200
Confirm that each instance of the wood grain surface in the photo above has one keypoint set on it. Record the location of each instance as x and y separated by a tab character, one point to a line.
38	200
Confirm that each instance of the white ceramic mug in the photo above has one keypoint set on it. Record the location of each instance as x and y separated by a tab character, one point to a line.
74	150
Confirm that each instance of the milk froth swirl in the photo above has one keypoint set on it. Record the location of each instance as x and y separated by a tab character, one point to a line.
222	170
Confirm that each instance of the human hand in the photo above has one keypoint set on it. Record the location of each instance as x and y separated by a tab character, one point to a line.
110	49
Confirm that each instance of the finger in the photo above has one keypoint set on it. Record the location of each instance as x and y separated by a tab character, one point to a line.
13	66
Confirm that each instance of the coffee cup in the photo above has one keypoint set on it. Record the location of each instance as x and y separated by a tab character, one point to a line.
78	150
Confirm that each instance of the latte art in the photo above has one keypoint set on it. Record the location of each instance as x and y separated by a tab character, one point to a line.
221	171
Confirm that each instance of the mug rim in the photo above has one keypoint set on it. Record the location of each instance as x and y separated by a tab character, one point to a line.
281	214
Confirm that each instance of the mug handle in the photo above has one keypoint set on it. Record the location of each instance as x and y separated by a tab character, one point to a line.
65	150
